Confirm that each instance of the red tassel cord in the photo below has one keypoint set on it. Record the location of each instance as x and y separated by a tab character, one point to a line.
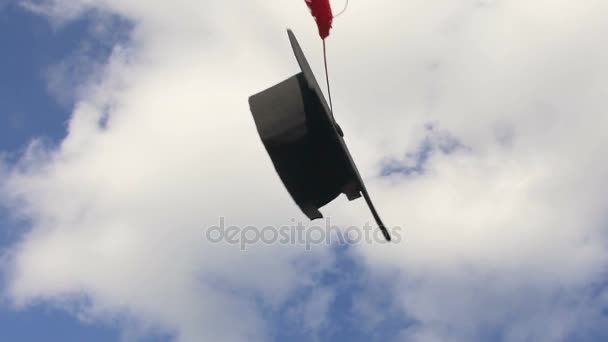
321	11
331	106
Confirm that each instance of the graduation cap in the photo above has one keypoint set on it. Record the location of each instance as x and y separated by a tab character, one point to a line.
306	144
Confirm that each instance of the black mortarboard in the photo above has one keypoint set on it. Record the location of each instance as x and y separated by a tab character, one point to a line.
305	143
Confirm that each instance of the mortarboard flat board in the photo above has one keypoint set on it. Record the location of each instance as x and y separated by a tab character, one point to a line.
306	144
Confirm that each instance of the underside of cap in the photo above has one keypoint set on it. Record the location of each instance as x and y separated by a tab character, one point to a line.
305	143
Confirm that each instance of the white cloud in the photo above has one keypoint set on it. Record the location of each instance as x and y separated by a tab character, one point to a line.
508	235
505	236
118	214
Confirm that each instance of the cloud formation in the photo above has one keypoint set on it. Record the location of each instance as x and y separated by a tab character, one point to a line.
505	235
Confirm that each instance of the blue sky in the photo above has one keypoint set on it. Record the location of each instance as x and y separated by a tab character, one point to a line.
31	47
36	45
491	170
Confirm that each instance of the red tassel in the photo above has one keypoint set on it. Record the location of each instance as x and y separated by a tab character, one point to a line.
321	11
